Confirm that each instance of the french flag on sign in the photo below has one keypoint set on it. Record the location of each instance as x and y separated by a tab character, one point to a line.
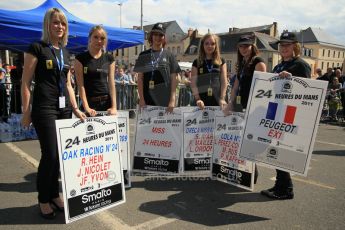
286	113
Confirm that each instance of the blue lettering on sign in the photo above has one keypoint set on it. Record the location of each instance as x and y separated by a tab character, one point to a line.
68	155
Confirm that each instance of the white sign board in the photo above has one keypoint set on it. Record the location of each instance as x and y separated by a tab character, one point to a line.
198	127
226	164
282	118
157	141
90	164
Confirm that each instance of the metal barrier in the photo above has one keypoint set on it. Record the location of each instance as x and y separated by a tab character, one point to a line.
126	97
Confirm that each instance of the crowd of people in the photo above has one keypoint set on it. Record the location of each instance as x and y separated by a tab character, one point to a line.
152	80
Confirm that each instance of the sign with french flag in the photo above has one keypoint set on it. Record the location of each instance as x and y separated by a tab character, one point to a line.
281	121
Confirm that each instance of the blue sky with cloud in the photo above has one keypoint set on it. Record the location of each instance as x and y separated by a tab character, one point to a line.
218	16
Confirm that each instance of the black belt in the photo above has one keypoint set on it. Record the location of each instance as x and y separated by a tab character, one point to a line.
99	98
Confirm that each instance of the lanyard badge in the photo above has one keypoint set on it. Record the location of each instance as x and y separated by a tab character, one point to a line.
60	62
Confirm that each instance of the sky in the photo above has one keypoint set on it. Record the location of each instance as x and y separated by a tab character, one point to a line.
214	15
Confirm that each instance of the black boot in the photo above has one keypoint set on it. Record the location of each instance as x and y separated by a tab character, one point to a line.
279	193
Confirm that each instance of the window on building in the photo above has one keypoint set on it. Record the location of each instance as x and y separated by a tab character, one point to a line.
321	65
311	52
329	53
122	52
173	50
323	52
338	54
334	53
117	53
169	49
178	50
136	50
333	65
338	64
327	64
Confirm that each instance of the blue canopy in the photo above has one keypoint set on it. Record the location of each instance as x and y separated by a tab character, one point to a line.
18	29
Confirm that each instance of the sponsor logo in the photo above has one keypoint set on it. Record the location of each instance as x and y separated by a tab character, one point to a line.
73	192
138	153
90	129
272	153
250	136
95	196
233	121
286	87
201	161
160	162
86	189
261	139
205	115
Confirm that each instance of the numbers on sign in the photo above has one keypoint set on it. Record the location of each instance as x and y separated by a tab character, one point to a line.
221	127
70	142
123	138
144	121
262	93
190	122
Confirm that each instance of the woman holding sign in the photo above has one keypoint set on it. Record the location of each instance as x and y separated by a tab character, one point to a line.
53	99
209	74
248	61
157	69
291	65
95	71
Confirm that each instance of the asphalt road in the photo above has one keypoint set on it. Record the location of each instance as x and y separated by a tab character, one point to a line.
182	203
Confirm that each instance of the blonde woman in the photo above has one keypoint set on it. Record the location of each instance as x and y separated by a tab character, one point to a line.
209	74
53	99
94	70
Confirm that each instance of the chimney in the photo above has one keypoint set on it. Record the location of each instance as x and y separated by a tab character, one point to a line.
190	32
235	29
230	30
275	29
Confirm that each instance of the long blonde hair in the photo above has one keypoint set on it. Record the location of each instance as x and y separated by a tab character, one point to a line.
216	54
46	22
102	30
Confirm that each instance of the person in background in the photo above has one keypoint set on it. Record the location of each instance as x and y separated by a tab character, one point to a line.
318	74
122	81
53	99
3	109
8	86
209	74
248	61
157	69
291	64
94	70
334	98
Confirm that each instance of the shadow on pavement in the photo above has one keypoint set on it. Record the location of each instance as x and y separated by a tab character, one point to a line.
337	153
202	202
23	187
26	216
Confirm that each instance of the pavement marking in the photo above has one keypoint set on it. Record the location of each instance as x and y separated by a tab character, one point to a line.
105	217
329	143
23	154
157	222
111	222
309	182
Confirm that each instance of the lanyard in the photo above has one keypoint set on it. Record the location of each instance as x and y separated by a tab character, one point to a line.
60	67
155	61
209	69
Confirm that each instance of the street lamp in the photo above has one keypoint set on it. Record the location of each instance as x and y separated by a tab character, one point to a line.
120	4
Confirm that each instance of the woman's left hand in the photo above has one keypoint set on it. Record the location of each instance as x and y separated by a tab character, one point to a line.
285	74
112	111
170	107
222	103
79	114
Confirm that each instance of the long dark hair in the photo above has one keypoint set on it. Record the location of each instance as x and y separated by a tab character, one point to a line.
240	59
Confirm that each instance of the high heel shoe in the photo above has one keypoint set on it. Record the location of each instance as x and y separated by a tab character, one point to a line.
57	207
51	215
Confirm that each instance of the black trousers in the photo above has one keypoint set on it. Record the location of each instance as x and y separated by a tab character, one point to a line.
102	105
283	180
48	169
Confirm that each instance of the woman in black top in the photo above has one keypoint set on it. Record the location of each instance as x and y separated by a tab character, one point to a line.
291	64
53	98
157	69
95	71
247	62
209	74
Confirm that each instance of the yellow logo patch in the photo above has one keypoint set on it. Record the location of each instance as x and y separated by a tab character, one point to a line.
49	64
85	70
201	70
